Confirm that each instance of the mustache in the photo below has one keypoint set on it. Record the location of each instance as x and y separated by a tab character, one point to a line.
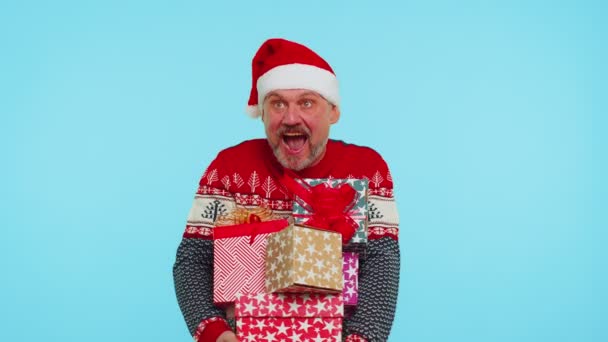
293	129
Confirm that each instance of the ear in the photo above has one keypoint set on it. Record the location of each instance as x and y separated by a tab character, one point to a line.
262	114
334	114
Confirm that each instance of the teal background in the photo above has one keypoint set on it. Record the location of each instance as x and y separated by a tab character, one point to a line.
491	114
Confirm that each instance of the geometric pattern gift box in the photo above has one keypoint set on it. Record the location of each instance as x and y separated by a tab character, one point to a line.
308	207
289	317
239	258
351	277
304	259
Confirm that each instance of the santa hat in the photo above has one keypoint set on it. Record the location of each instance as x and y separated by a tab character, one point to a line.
283	64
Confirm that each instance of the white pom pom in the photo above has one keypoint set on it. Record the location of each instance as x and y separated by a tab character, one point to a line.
253	111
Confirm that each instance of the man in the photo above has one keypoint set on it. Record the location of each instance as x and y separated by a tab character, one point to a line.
295	92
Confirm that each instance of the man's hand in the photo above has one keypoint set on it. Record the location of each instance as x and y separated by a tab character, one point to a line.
227	336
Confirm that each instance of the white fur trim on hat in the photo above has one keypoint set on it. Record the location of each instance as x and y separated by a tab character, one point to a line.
298	76
253	111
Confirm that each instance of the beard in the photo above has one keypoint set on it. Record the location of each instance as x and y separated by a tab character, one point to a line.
297	163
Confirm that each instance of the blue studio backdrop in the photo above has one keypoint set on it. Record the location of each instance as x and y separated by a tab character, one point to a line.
491	115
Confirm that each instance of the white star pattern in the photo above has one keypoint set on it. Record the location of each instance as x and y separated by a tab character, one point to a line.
294	307
304	325
273	268
329	326
248	308
282	329
301	256
260	297
269	336
260	324
334	269
279	277
351	272
251	337
295	337
362	192
311	249
271	307
311	275
320	306
350	291
318	338
360	212
319	322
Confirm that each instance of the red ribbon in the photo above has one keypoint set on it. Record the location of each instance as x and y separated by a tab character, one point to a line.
329	207
253	218
249	229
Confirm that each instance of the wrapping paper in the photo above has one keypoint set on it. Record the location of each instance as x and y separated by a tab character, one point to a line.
289	317
304	259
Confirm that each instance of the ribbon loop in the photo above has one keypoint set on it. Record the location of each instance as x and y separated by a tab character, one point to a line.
329	208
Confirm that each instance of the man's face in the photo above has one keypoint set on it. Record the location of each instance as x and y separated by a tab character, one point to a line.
297	126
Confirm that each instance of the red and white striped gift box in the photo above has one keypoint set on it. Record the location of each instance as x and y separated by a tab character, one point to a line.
239	259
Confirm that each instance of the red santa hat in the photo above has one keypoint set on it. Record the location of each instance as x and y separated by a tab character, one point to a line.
283	64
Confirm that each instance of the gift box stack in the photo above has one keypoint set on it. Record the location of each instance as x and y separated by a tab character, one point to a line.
291	280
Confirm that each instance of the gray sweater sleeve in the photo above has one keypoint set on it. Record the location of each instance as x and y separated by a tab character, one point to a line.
378	286
193	278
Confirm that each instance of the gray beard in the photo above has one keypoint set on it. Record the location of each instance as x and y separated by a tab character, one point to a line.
296	164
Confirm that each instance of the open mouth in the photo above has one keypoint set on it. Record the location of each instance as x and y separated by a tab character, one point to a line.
295	141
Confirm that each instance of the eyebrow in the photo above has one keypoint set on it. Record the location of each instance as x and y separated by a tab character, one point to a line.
308	93
271	94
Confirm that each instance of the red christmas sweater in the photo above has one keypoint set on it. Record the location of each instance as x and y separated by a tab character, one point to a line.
245	176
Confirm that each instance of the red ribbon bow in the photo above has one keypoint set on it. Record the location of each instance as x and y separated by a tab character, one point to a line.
329	207
252	229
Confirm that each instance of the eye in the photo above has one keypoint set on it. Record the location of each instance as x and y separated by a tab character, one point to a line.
278	104
307	103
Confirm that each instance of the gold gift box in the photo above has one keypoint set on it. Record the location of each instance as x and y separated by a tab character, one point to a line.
304	259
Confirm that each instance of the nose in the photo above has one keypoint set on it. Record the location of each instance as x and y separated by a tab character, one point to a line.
292	115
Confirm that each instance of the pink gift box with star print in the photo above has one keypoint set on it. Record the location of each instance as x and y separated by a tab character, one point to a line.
350	270
289	317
